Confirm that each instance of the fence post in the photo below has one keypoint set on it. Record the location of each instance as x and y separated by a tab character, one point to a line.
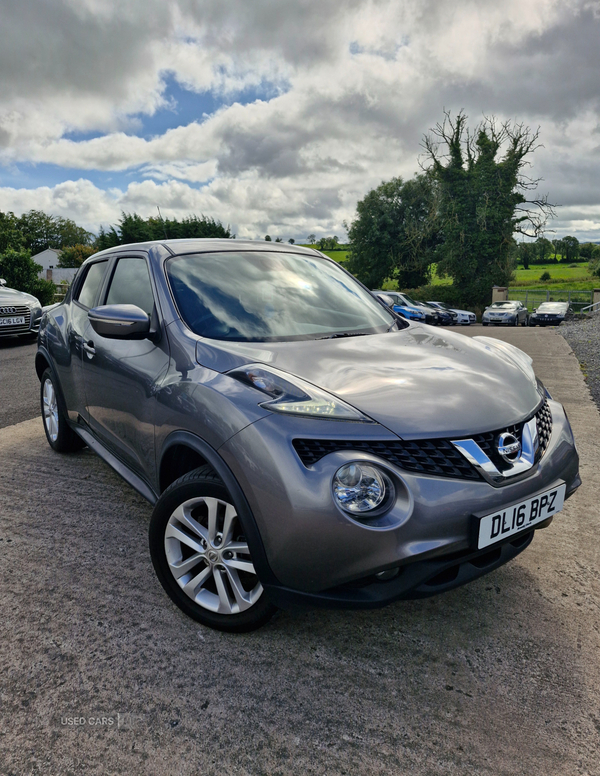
548	295
526	293
499	294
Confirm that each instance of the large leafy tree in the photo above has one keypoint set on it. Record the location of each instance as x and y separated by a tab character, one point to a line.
395	232
570	248
41	231
484	199
11	235
133	228
75	255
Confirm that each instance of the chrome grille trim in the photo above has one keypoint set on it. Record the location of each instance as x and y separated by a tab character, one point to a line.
431	456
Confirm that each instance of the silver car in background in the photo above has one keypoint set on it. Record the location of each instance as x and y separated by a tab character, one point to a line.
20	313
507	313
300	444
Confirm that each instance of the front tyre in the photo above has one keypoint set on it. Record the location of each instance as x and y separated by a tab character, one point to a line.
59	434
201	556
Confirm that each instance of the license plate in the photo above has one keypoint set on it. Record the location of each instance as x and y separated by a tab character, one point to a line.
12	321
508	521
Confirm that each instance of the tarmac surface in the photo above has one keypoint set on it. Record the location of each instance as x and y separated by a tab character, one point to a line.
19	386
101	674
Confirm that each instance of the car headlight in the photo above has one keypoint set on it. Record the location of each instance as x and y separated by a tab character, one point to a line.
360	488
293	396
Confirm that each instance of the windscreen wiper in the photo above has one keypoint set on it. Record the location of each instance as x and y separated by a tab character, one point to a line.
345	334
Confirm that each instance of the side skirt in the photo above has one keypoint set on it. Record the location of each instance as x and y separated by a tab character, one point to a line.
115	463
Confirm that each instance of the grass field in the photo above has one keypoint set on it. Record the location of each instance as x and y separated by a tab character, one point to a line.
577	278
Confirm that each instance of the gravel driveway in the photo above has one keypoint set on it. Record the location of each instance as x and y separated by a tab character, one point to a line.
100	674
584	338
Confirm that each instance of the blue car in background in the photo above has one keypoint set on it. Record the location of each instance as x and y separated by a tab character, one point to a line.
405	308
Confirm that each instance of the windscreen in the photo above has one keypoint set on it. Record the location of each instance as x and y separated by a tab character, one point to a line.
504	304
552	307
254	296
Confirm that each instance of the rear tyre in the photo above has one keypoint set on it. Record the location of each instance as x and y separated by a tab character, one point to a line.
59	434
201	557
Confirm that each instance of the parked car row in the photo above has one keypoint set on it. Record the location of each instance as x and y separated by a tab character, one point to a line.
434	313
507	313
513	313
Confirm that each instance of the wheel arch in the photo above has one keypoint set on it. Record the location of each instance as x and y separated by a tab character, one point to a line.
42	362
185	448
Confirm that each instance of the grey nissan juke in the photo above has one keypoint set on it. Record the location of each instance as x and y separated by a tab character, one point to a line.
300	443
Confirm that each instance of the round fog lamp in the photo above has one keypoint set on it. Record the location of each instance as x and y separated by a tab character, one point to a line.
359	488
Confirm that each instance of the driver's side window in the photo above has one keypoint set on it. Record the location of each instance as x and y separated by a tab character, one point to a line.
130	284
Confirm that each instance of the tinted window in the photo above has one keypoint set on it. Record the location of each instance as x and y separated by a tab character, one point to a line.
130	284
258	296
92	282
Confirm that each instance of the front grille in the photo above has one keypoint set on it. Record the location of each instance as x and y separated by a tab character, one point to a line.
429	456
16	310
544	427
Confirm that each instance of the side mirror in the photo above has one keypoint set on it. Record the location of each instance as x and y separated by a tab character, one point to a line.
2	282
535	309
120	321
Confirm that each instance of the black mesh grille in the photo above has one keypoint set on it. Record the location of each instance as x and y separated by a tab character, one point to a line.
544	427
429	456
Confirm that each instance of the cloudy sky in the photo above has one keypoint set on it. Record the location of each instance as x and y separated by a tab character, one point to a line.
277	116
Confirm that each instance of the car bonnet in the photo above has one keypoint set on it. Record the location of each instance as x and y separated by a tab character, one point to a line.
416	382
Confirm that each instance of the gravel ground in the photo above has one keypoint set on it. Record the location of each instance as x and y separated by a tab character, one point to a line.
584	339
100	675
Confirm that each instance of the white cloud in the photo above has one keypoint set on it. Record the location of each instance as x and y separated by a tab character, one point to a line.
355	86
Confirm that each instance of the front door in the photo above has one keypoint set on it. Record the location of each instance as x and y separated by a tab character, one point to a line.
121	375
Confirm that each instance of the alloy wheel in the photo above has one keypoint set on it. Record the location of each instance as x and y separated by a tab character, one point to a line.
209	558
50	406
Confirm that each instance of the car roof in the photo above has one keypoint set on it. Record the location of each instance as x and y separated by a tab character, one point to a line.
208	244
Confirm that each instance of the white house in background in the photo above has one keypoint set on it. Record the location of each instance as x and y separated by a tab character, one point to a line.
48	260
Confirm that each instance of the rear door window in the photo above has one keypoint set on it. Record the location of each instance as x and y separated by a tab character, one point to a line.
88	291
130	284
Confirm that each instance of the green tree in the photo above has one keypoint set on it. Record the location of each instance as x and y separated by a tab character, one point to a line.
570	248
21	272
291	241
75	255
585	250
483	199
42	231
268	238
525	253
11	235
395	233
107	239
311	239
544	248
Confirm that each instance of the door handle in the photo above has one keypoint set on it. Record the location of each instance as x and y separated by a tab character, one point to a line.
89	348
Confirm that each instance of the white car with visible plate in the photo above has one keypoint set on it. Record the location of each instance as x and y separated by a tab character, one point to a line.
465	318
20	313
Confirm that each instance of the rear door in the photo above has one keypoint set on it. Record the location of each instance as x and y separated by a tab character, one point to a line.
68	362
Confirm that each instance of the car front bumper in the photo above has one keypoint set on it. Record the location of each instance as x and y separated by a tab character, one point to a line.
509	321
319	553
